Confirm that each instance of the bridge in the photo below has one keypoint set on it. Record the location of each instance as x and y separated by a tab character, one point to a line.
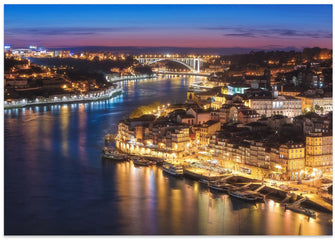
192	63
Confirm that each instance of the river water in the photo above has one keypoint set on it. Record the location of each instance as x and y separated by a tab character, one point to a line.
57	183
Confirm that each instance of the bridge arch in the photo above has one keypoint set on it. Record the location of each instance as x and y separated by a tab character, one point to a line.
173	60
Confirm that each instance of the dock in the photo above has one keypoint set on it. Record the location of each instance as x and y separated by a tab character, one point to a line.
202	174
260	188
296	207
316	202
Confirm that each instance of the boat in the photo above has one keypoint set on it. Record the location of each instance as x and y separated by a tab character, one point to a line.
173	169
205	182
220	186
299	209
158	161
114	155
141	162
189	172
246	195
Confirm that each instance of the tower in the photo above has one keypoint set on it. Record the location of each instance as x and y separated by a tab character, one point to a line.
274	91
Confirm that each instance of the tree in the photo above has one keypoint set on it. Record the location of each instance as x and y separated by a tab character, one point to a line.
318	108
307	110
142	110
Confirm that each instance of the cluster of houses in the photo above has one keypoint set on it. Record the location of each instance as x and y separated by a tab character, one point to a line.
259	132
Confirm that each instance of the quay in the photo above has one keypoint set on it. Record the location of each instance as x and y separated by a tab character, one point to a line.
65	98
109	78
195	170
312	201
184	73
202	174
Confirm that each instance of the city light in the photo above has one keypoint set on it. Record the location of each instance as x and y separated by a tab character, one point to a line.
223	139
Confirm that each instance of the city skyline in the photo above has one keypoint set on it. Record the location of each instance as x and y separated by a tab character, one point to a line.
168	120
200	26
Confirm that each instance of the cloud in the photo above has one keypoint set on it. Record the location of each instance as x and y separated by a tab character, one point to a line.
240	34
269	33
68	30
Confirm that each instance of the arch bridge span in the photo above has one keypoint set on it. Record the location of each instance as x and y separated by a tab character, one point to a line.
191	63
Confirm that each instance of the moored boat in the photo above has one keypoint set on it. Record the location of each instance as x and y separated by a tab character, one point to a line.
205	182
220	186
299	209
247	195
141	161
173	169
114	155
156	160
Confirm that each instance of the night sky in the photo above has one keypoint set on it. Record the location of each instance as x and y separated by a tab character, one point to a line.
257	26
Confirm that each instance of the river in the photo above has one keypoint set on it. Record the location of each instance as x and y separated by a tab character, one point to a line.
57	183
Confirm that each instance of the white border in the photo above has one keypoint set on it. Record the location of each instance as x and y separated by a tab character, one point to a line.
134	2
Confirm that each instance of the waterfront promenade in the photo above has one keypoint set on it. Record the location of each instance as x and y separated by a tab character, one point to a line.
183	73
109	78
65	98
202	170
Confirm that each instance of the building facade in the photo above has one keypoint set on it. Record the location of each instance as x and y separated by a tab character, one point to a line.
319	153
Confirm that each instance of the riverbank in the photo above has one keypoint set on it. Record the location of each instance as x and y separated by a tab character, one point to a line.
184	73
65	98
201	173
109	78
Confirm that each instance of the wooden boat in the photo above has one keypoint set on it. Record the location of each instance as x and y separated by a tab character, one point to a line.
299	209
246	195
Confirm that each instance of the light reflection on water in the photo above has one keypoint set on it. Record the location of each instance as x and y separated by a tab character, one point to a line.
181	206
56	183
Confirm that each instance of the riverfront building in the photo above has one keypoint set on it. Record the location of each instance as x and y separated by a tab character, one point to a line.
293	160
319	153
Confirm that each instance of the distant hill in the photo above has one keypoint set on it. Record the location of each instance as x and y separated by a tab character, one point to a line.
171	50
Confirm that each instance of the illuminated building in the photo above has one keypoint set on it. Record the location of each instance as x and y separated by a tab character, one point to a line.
200	115
258	156
62	53
319	104
292	156
312	122
319	153
247	115
7	48
218	101
206	130
277	164
179	139
186	119
275	105
237	88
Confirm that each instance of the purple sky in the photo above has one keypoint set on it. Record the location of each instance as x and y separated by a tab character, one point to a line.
255	26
